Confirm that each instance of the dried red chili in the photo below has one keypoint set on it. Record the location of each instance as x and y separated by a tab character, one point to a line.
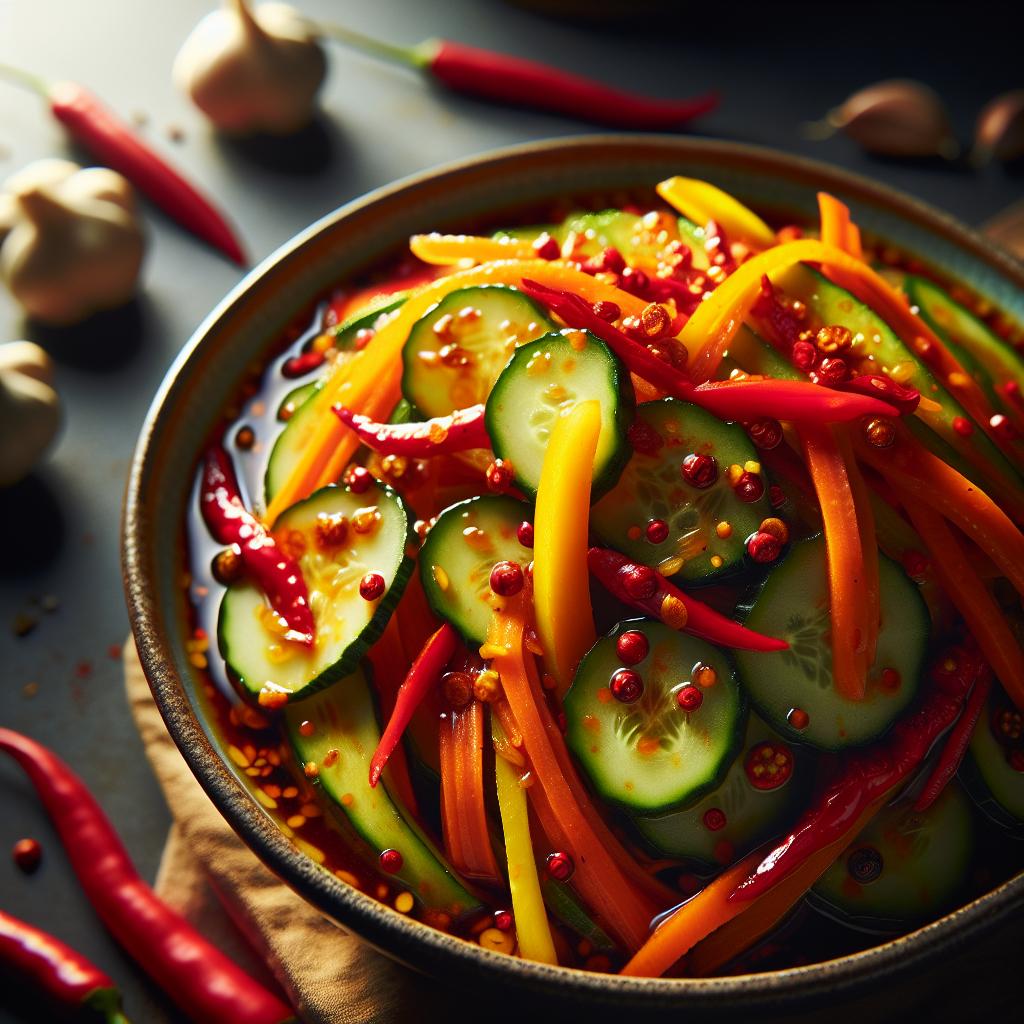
205	984
462	430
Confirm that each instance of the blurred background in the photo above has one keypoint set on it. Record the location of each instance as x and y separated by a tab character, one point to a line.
62	620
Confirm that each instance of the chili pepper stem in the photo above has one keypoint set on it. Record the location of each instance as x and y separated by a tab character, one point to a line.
106	1002
418	57
26	79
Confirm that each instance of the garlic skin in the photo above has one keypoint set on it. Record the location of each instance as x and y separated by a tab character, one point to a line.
71	243
999	132
30	413
253	70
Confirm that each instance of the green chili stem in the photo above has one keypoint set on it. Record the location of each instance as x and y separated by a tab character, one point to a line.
412	56
19	76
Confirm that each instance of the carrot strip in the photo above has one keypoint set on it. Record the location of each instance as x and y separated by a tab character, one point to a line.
450	831
846	575
561	579
700	201
533	930
451	250
961	582
598	877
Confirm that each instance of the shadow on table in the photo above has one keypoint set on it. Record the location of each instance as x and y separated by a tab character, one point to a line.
33	523
304	154
106	341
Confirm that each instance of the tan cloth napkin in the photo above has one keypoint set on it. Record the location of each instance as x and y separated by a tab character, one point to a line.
210	876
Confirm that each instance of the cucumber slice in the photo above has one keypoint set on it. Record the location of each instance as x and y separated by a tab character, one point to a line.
904	868
652	487
544	380
749	813
346	624
997	744
753	354
291	442
651	756
337	731
693	235
370	317
295	398
445	370
641	238
564	904
457	557
793	604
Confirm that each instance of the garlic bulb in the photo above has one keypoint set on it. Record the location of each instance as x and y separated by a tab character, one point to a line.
70	241
29	408
253	70
999	132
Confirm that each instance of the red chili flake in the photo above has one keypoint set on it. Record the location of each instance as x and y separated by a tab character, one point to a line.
891	679
300	365
636	282
458	688
524	534
391	861
372	586
644	438
832	370
546	247
330	530
1016	760
714	819
626	685
245	438
657	531
776	496
833	338
916	564
1003	428
27	854
804	355
699	471
798	718
689	698
768	765
608	261
114	651
507	578
83	669
358	479
864	864
559	866
607	311
632	647
306	728
749	487
764	547
503	920
880	432
962	426
724	852
499	476
766	433
639	581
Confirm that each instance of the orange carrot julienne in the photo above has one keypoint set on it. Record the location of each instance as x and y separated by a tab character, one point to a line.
846	574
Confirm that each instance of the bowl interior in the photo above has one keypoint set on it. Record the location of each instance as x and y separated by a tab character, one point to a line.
238	336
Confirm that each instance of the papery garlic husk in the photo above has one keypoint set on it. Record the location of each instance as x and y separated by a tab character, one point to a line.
253	70
30	413
898	117
999	131
71	243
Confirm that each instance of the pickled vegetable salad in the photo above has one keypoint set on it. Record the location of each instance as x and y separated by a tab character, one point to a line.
695	549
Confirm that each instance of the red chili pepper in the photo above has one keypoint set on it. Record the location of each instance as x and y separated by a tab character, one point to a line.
643	588
95	127
276	573
905	399
204	983
68	979
871	775
526	83
462	430
730	400
956	745
425	673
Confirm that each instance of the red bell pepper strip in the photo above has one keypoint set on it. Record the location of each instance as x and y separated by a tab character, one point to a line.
729	400
643	588
526	83
425	672
459	432
956	745
872	774
59	973
276	573
204	983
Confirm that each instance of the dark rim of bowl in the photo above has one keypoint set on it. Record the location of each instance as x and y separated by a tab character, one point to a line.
410	941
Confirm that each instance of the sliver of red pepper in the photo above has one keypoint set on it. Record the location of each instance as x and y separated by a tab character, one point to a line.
459	432
729	400
611	569
872	774
425	672
276	573
205	984
65	976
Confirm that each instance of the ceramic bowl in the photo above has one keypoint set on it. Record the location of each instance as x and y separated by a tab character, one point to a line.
240	333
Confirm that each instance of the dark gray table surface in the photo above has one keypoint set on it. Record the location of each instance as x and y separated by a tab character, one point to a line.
777	66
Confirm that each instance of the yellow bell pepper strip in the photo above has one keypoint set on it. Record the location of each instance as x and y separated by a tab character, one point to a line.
910	468
561	580
846	576
452	250
959	578
533	930
569	818
700	201
376	370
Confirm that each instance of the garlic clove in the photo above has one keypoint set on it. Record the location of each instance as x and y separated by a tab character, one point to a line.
103	184
253	70
30	411
48	172
999	130
896	117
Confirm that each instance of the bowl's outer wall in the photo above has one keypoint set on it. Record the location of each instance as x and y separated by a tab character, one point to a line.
241	333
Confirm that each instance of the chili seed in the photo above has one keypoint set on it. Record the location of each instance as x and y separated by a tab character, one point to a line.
804	355
880	432
372	586
632	647
798	718
499	476
524	534
714	819
891	679
391	861
245	438
749	487
358	479
626	685
766	433
546	247
1003	428
458	689
864	864
654	320
689	698
657	531
607	311
507	578
503	920
834	338
699	471
764	547
832	370
228	566
559	865
962	426
331	530
27	854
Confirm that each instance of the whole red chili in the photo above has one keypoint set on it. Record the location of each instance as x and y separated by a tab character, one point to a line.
904	399
627	686
457	432
205	984
699	471
273	570
632	647
58	973
425	672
